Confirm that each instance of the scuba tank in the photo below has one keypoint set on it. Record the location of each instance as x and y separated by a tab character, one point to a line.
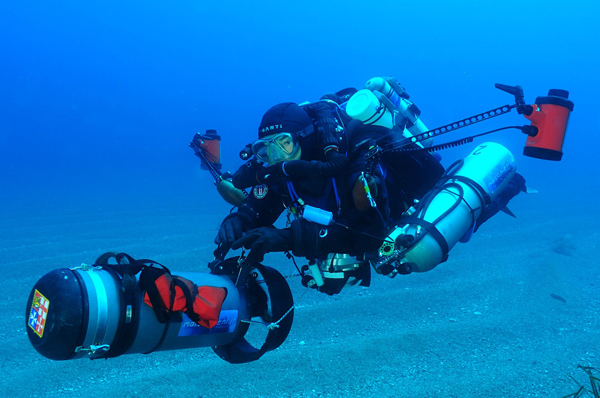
106	310
384	102
367	108
448	212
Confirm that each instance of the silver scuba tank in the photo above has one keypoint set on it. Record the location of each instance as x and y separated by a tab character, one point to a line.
449	212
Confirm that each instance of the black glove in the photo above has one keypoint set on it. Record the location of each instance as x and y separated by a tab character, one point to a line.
328	125
271	174
320	109
233	228
253	173
332	97
264	240
245	176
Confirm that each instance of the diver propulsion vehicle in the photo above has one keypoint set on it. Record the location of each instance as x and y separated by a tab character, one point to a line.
102	310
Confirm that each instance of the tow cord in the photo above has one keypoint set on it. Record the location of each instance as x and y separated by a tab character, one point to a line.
272	325
275	325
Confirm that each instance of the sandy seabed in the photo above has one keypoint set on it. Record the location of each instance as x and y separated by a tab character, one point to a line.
512	313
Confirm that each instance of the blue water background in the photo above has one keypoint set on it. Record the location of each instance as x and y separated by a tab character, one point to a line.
100	99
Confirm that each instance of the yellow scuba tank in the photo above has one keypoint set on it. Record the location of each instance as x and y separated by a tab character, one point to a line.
448	212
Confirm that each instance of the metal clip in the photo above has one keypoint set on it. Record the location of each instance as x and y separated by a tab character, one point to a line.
87	267
367	189
244	270
374	153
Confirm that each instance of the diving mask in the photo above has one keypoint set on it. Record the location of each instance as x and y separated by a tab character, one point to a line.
276	148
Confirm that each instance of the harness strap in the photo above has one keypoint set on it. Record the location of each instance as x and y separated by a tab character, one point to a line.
483	195
189	291
434	232
148	279
376	116
295	197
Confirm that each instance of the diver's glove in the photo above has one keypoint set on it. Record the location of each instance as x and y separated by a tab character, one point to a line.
264	240
332	97
271	174
253	173
329	127
320	109
233	227
245	176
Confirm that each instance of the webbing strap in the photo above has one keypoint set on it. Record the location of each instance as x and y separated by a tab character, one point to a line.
128	300
148	279
189	298
435	234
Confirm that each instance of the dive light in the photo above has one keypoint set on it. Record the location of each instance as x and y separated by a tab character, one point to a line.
207	147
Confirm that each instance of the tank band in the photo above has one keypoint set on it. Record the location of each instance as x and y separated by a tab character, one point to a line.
435	234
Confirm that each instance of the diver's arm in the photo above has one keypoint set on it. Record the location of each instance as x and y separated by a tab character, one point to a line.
253	173
334	165
246	175
264	205
253	213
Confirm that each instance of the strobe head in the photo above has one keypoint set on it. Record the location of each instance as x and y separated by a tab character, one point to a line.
550	116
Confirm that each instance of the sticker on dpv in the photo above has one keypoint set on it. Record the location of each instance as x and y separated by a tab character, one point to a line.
227	322
39	311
